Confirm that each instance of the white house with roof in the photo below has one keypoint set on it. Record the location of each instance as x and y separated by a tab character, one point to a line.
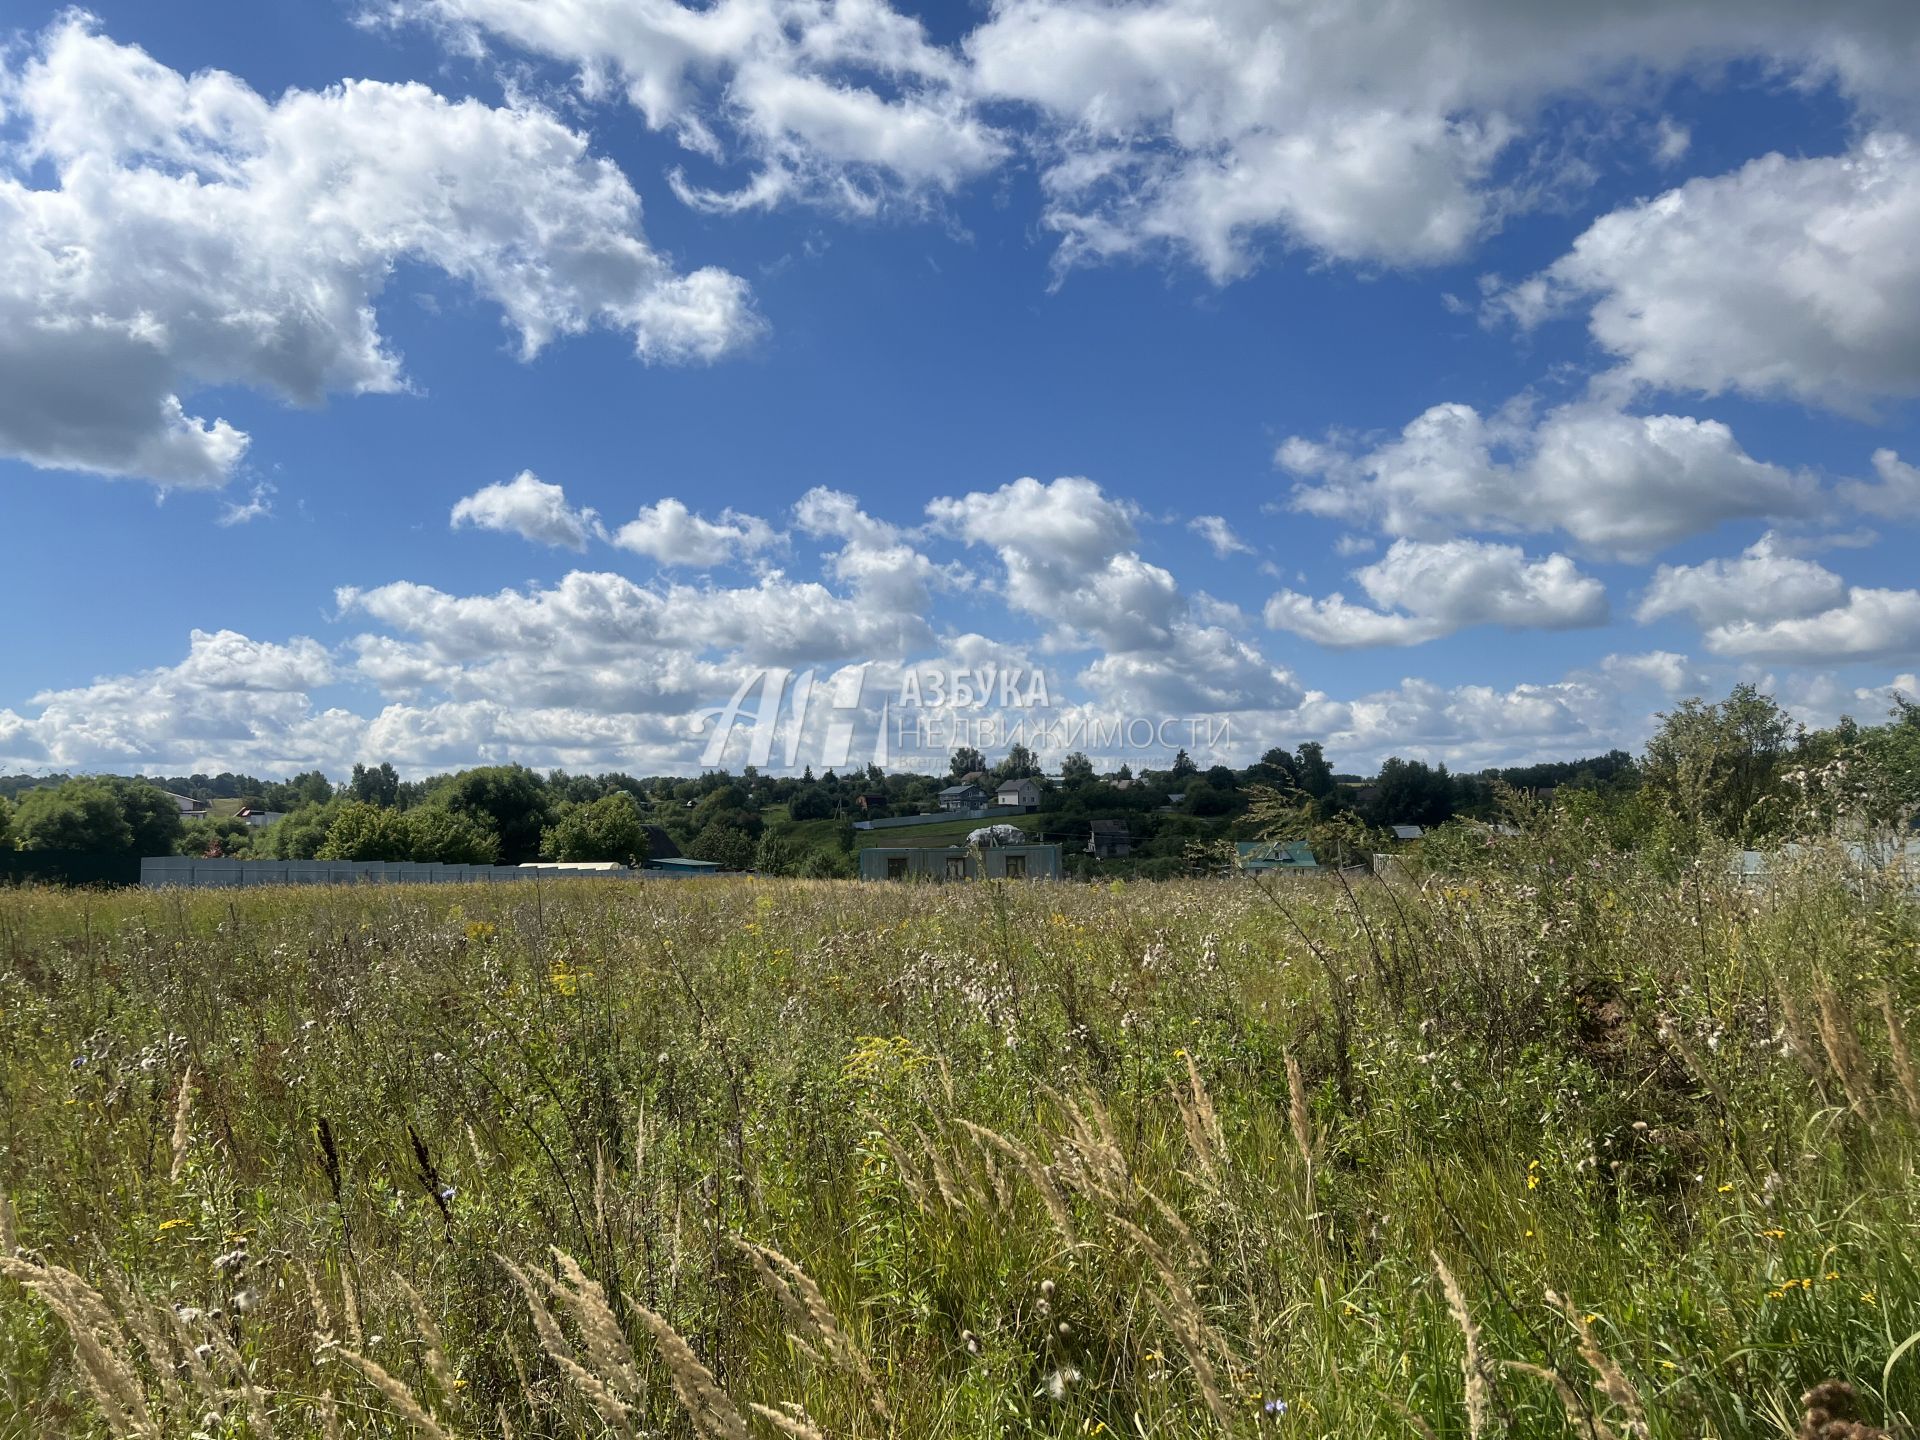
1021	794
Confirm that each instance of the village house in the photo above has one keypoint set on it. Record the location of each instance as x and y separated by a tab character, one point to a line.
962	797
958	862
1022	794
1109	840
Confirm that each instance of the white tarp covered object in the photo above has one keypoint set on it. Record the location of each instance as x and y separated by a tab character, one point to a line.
997	835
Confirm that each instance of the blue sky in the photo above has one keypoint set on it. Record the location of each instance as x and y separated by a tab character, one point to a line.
1528	393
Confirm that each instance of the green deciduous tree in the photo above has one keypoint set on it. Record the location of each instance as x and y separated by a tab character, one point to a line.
725	844
302	832
1020	763
152	816
375	784
511	799
366	832
1311	771
1713	764
965	761
610	828
438	836
80	815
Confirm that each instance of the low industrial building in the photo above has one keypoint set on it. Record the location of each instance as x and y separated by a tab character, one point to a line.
956	862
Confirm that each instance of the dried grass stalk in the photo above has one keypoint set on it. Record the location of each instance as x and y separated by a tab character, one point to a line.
1799	1037
1579	1415
1201	1122
1474	1370
182	1126
398	1395
1903	1068
808	1313
1179	1311
1297	1114
597	1392
789	1421
1671	1032
99	1345
711	1409
1029	1165
1843	1050
1610	1379
434	1343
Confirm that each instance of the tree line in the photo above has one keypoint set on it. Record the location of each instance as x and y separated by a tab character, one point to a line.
1737	770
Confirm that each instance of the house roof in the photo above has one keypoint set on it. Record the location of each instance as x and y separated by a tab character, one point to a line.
1107	827
1268	853
1019	783
961	789
660	844
1406	832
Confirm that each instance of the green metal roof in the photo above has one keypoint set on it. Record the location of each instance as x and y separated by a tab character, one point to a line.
1272	854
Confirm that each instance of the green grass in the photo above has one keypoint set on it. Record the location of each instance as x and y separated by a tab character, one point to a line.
1039	1147
945	832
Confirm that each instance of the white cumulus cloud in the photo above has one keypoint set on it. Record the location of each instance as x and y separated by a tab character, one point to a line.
166	234
1618	484
671	534
1793	277
531	508
1426	590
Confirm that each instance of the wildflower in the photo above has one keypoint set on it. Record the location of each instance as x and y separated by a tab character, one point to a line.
1275	1408
971	1341
1726	1189
1533	1174
246	1300
1059	1382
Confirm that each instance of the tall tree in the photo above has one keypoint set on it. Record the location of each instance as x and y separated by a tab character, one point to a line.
81	815
1314	774
965	761
609	828
375	785
1713	764
1410	792
366	832
152	816
1076	769
511	799
438	836
1018	765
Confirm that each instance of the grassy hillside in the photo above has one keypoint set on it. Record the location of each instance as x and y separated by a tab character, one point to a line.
948	832
1561	1148
811	834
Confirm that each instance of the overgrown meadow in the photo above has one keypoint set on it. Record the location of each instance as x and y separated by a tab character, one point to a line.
1547	1146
